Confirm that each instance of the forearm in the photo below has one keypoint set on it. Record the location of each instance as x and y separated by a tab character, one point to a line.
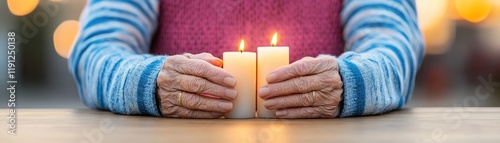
384	50
109	60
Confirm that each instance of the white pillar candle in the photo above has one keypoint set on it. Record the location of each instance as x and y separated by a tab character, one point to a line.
242	66
269	59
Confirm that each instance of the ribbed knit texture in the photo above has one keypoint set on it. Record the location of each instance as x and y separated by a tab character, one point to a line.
308	27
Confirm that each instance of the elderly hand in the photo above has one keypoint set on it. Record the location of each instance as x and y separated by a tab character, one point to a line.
308	88
184	79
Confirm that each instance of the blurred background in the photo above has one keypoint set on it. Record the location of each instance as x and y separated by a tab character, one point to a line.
462	45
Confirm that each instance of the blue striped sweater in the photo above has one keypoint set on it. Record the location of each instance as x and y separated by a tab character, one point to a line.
113	70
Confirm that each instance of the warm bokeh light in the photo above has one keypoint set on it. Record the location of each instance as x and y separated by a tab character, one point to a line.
22	7
493	19
436	26
242	46
452	11
64	37
439	37
274	41
430	12
473	10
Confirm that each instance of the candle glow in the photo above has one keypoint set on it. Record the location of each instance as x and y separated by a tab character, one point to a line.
274	41
242	46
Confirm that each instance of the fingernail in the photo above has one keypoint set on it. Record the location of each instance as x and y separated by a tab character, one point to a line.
271	77
281	113
270	103
230	81
226	106
264	91
231	93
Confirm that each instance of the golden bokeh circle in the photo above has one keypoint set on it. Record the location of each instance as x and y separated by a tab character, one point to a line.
473	10
64	37
22	7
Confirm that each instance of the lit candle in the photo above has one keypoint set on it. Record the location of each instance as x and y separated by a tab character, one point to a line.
242	66
270	58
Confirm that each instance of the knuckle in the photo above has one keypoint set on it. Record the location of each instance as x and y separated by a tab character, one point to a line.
197	84
328	111
331	61
172	61
303	67
170	110
202	104
189	113
212	106
165	97
169	61
168	79
308	100
308	111
191	101
336	80
199	67
179	63
212	73
188	55
323	98
330	82
301	84
205	54
307	57
167	75
337	97
330	98
277	89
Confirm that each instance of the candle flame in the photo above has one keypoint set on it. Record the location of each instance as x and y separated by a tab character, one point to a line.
242	46
274	40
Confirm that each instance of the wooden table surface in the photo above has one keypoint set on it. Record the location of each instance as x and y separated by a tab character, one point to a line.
407	125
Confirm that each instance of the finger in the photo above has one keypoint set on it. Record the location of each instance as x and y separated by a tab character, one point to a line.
199	85
301	100
198	102
302	84
305	66
209	58
182	112
203	69
308	112
210	96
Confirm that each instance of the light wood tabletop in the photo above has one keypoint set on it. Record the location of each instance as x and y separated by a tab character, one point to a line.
417	125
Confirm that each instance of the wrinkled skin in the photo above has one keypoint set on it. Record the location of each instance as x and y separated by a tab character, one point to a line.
195	76
290	89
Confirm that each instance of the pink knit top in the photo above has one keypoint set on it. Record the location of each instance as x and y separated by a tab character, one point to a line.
308	27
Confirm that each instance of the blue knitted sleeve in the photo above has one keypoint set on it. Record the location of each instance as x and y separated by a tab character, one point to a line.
109	60
384	49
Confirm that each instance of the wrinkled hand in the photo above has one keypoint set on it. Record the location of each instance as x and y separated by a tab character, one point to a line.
308	88
189	77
